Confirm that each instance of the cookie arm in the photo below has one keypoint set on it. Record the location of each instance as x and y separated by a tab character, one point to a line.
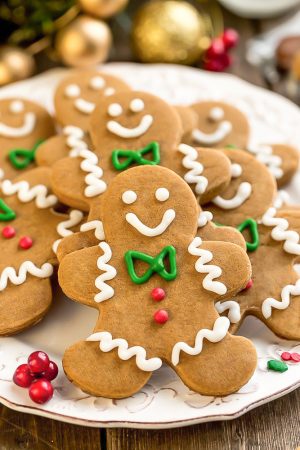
211	232
76	241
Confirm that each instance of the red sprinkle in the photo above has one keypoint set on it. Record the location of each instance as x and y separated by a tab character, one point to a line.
161	316
285	356
295	357
249	284
158	294
25	242
8	232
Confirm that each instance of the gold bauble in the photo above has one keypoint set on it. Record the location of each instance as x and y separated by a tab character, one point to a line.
84	42
102	8
15	64
169	31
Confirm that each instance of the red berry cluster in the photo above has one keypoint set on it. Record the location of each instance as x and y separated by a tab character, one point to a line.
37	375
216	57
287	356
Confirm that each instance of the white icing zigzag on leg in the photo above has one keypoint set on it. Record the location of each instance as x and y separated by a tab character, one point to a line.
234	310
62	228
107	343
212	271
215	335
26	194
287	291
9	273
190	162
109	272
281	232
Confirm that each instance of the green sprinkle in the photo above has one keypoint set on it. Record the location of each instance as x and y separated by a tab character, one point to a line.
277	366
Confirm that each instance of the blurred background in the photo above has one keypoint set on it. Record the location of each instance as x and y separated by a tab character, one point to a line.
258	40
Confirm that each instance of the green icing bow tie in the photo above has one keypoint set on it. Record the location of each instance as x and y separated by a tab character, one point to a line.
156	264
122	159
20	158
6	213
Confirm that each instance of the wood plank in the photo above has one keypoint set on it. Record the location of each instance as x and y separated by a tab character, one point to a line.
25	431
275	425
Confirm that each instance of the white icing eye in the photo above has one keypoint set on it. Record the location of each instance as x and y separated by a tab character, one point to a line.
72	90
216	113
129	197
16	106
109	91
97	82
162	194
236	170
136	105
115	110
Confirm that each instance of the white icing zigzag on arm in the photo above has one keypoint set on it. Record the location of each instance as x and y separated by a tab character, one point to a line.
215	335
107	343
212	271
27	194
204	218
264	154
234	310
62	228
96	225
196	168
281	232
89	164
9	273
109	272
287	291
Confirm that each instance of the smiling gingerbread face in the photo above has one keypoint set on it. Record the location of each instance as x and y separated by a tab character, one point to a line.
76	96
23	125
219	125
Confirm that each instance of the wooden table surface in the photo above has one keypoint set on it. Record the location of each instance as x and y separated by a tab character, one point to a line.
274	426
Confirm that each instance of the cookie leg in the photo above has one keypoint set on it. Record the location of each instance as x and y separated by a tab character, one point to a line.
24	305
102	374
286	323
221	368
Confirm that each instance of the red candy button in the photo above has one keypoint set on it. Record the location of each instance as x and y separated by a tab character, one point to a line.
285	356
161	316
295	357
158	294
25	242
249	284
8	232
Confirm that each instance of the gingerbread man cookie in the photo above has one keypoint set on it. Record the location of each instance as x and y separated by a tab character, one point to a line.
23	126
133	128
30	231
155	285
274	293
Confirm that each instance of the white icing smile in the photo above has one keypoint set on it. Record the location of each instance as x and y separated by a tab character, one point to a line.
118	129
84	106
166	221
242	194
224	128
25	129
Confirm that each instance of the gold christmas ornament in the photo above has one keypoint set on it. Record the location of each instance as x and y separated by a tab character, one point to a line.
15	64
102	8
169	31
84	42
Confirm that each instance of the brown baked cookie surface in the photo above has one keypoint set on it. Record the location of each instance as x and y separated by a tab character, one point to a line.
23	126
30	231
188	119
147	244
76	96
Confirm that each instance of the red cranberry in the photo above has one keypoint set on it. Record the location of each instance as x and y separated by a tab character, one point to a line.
161	316
285	356
25	242
22	376
158	294
8	232
51	372
41	391
295	357
38	362
216	49
230	38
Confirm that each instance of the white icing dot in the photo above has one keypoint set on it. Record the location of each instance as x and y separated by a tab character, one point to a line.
236	170
16	106
129	197
72	90
97	82
109	91
216	113
115	109
162	194
137	105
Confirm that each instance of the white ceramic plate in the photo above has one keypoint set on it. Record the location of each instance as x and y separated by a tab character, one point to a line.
164	402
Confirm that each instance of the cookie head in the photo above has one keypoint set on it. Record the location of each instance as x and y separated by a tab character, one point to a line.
132	120
149	204
219	125
76	96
